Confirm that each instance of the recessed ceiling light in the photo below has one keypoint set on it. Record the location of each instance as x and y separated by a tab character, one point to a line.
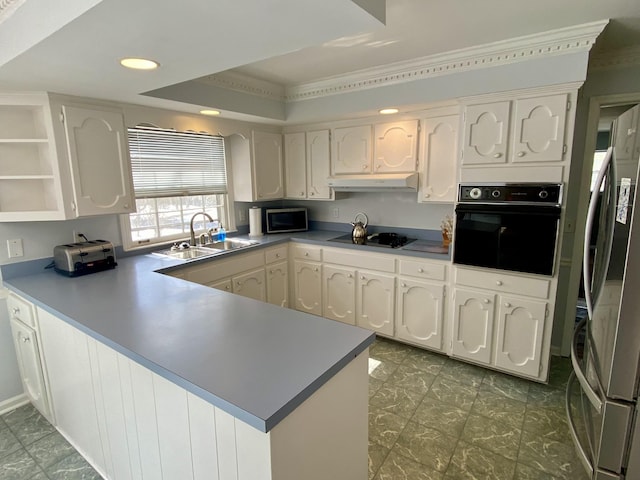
388	111
210	112
139	63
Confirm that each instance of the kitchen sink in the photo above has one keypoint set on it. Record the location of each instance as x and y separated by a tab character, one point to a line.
229	244
188	253
207	249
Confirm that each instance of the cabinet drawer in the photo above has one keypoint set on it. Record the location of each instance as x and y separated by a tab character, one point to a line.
307	252
501	282
420	269
276	254
21	310
345	256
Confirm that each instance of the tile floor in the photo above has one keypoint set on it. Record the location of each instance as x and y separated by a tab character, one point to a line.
430	418
31	449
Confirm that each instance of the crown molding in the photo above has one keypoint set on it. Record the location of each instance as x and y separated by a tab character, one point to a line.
574	39
579	38
243	83
7	7
620	58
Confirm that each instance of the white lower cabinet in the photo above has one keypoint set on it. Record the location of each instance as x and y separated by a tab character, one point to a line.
420	312
251	284
307	286
504	327
339	286
24	329
278	284
375	301
473	314
520	334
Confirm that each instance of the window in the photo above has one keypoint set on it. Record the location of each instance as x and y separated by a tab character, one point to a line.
175	175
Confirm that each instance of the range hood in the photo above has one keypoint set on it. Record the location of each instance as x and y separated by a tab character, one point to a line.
407	182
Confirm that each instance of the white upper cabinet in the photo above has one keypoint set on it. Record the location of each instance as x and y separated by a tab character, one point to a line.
524	130
539	125
486	133
395	147
318	165
439	159
257	166
61	161
295	165
307	165
351	150
96	142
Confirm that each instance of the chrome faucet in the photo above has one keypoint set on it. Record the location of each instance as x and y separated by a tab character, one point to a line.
193	235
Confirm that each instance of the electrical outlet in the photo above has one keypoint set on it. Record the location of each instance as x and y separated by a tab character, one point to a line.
336	213
242	213
76	237
14	248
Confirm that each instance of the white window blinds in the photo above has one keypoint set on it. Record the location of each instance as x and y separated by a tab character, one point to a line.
166	163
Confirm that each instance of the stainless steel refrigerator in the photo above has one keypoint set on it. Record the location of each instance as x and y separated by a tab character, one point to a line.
602	394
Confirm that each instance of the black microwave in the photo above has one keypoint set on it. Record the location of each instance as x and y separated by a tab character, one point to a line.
282	220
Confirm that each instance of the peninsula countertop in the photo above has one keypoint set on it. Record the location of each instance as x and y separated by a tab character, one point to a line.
254	360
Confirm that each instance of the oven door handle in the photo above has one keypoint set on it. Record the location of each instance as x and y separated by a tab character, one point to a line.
580	450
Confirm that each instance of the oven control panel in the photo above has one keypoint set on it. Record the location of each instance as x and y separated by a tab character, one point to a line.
545	193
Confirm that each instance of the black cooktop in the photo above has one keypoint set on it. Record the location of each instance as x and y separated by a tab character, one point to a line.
385	239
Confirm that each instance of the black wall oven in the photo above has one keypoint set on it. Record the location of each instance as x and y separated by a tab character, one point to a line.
508	226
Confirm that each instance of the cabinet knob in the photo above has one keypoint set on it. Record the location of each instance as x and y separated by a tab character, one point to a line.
126	206
497	155
306	254
349	276
426	195
404	284
507	304
315	269
238	283
521	154
302	194
499	283
227	287
25	339
377	167
486	300
362	277
271	272
420	270
277	255
312	193
364	167
15	310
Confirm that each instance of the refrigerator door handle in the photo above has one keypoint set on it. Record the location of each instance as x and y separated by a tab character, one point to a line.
580	450
591	214
588	390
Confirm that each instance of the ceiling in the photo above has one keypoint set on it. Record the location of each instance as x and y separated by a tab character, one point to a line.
73	46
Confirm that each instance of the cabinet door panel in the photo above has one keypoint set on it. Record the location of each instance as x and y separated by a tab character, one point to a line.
420	312
318	165
251	284
520	332
473	325
278	284
351	150
308	287
295	165
339	287
539	129
101	172
26	344
267	165
486	133
396	147
375	302
439	159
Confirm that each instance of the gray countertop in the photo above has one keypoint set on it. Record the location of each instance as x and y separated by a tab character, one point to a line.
254	360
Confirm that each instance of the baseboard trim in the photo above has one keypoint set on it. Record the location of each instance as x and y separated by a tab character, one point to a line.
556	351
13	403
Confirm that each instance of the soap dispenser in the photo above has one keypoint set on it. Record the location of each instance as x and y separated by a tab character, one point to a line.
222	234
